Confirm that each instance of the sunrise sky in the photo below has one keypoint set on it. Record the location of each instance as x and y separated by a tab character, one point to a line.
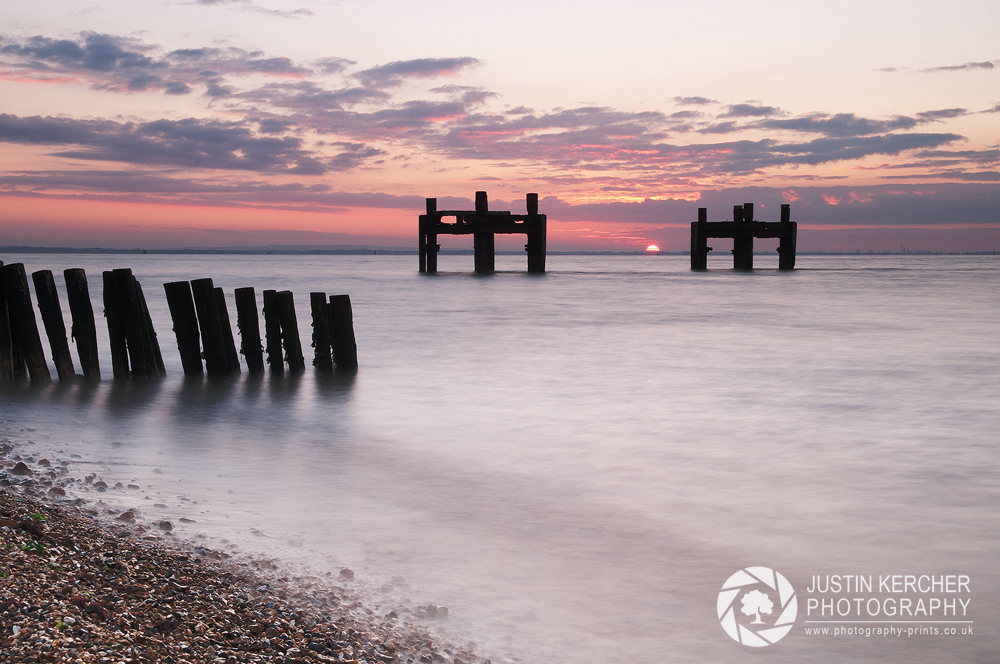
176	123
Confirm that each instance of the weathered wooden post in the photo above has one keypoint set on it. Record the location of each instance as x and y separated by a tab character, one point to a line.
431	246
83	329
322	357
153	358
116	330
290	332
249	324
786	242
272	332
24	327
483	241
132	323
699	241
52	320
232	357
213	342
743	239
182	313
6	341
345	347
536	237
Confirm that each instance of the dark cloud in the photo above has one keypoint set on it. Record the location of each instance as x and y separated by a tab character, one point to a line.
249	6
694	101
749	111
333	65
189	143
840	124
393	74
968	66
942	114
124	64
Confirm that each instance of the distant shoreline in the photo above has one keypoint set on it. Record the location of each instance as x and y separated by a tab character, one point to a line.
403	251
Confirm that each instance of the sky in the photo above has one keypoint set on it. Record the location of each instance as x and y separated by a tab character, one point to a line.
170	123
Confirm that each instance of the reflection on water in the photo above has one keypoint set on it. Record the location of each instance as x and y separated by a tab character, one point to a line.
574	464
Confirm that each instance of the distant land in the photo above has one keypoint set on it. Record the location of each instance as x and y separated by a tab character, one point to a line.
361	250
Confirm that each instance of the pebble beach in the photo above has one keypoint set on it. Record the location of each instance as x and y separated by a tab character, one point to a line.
81	585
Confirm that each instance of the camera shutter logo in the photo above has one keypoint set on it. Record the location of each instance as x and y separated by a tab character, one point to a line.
757	588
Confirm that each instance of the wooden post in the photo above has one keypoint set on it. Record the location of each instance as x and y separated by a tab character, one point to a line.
131	319
23	325
699	241
272	332
786	243
290	332
83	328
483	242
154	359
216	362
536	236
52	320
6	346
249	324
424	224
116	331
743	239
232	357
345	347
185	320
322	358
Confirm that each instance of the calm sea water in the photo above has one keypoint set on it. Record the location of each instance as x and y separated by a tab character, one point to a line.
573	463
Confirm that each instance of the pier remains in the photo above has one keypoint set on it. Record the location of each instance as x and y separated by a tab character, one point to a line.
483	224
743	229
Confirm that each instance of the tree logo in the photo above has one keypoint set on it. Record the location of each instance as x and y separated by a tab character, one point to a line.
762	592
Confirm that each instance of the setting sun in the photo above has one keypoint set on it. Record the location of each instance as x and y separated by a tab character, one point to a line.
651	248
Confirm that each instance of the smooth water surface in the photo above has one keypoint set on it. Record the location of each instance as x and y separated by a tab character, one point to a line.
575	462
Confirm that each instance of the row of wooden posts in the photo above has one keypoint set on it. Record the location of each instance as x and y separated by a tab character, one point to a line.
135	350
198	308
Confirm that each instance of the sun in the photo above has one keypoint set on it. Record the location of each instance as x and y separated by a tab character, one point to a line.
652	248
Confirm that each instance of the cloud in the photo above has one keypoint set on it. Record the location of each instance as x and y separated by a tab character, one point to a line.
968	66
749	111
249	6
189	143
840	124
124	64
942	114
694	101
393	74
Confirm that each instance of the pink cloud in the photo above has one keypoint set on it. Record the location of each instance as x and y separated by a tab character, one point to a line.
831	200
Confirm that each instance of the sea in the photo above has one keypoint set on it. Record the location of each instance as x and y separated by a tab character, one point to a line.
587	465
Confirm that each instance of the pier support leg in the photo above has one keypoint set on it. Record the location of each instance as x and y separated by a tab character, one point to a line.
536	237
786	245
484	245
699	241
84	329
743	242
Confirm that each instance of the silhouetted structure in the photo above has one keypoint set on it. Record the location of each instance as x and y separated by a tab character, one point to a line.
483	225
743	229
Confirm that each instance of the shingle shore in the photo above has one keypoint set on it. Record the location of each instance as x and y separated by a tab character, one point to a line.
74	589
